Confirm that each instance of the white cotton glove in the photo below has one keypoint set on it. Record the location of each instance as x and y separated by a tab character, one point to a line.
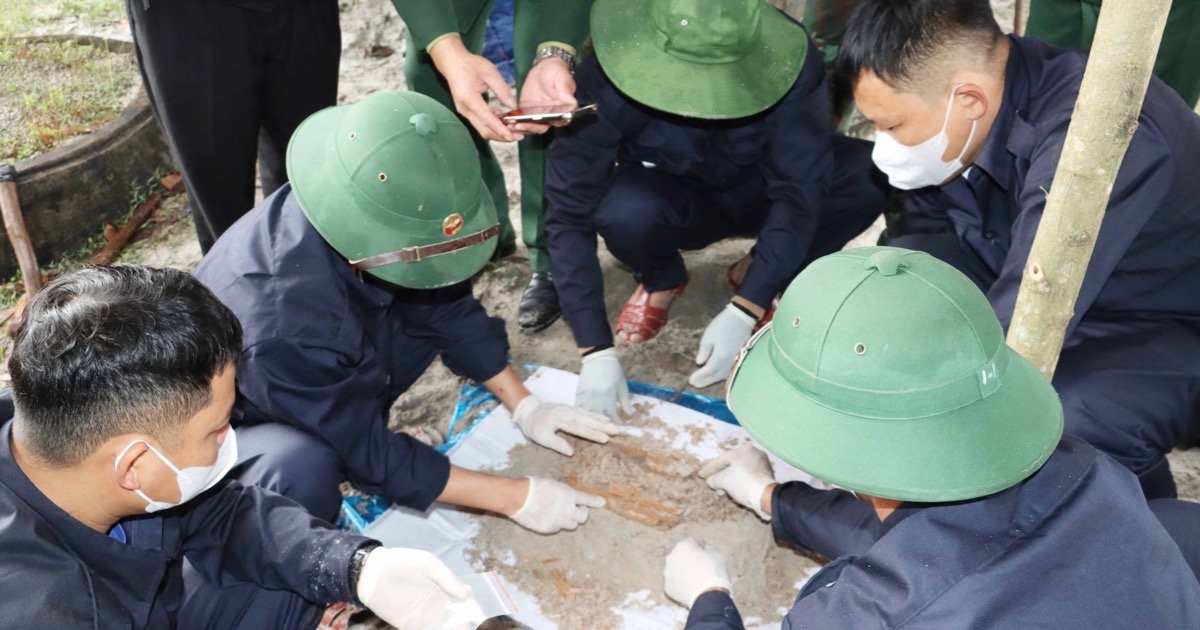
551	506
743	473
719	347
541	421
602	388
408	588
692	569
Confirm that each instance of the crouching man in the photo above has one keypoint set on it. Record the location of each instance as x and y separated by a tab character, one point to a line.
350	282
113	512
713	123
962	498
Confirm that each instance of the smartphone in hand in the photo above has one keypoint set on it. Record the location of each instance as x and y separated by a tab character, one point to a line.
547	114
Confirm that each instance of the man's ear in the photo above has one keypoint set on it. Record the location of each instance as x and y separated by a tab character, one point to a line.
974	100
127	475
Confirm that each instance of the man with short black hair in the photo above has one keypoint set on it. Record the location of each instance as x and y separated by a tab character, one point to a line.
113	512
973	122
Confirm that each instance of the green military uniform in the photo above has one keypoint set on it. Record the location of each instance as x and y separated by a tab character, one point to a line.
1072	23
535	22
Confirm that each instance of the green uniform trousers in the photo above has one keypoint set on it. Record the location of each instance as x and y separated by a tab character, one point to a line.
423	77
1072	23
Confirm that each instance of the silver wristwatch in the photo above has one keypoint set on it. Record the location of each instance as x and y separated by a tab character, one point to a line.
545	52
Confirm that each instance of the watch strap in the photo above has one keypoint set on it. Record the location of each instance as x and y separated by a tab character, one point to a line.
356	565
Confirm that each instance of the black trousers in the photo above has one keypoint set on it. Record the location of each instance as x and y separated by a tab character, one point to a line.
305	467
228	85
647	216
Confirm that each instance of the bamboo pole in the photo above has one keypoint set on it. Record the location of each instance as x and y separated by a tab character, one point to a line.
1020	16
1128	34
14	224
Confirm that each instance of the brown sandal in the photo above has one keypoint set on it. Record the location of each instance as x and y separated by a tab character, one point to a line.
639	318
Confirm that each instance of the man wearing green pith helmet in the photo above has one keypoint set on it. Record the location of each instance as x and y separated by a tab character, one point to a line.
712	122
885	372
349	282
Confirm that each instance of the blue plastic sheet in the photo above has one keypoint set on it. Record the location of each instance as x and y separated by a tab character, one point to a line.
475	402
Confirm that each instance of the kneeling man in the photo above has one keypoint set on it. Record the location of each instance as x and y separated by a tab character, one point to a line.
350	282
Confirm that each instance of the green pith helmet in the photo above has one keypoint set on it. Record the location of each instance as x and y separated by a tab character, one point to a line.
393	184
714	59
885	371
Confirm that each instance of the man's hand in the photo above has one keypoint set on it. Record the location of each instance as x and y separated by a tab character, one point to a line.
541	421
549	82
470	77
719	347
745	475
408	588
602	387
693	569
551	506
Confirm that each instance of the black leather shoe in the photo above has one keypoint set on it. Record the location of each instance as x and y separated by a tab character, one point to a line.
539	304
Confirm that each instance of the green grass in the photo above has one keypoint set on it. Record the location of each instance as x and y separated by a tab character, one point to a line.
55	90
20	18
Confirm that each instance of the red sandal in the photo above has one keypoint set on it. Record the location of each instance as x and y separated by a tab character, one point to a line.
639	318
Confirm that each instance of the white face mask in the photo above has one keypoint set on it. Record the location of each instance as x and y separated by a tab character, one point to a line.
193	480
921	164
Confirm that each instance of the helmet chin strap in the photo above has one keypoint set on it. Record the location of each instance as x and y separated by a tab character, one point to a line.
415	254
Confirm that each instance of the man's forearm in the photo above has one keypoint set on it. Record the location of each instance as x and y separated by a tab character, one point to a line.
481	491
507	387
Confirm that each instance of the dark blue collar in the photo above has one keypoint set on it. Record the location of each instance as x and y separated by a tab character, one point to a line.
1011	136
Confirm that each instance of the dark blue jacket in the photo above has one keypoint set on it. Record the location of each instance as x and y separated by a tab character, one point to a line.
327	352
56	572
1073	546
1148	249
788	145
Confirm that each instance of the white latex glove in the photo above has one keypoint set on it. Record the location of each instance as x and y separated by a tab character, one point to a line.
602	388
551	506
408	588
743	473
719	347
692	569
541	421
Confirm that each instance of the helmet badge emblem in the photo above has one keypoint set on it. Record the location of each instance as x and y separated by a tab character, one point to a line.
452	224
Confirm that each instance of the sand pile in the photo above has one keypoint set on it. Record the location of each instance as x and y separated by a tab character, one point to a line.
595	576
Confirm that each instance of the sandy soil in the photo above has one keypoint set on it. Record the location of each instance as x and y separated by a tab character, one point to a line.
654	501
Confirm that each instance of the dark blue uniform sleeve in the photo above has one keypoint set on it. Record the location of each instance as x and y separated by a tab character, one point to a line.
312	384
832	523
263	538
714	610
797	168
578	167
472	343
1142	183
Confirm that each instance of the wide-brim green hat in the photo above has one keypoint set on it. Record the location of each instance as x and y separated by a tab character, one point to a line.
393	184
715	59
885	372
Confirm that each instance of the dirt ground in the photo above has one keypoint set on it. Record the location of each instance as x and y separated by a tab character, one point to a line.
370	29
